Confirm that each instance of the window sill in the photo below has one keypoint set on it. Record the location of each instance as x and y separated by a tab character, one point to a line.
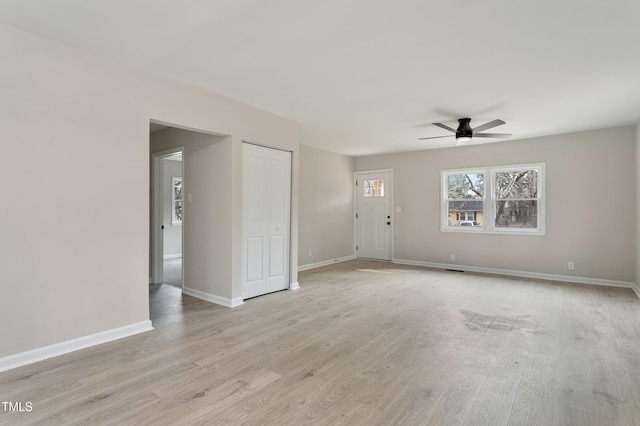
481	230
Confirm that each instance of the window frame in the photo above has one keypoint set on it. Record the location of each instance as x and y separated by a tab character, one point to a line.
489	200
445	199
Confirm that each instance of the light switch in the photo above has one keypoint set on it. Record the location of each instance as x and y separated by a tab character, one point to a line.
188	197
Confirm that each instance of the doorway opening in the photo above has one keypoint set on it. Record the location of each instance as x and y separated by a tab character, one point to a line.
201	263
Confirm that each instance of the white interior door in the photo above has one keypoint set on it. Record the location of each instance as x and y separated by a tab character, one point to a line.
267	212
373	215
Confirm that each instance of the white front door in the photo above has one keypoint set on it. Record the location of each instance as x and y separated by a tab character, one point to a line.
267	201
373	215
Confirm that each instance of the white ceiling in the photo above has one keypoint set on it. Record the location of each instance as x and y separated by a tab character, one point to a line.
369	76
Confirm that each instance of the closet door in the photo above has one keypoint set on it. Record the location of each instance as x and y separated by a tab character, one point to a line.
267	219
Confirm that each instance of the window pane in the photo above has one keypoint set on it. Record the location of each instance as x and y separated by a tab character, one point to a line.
517	184
517	214
465	186
177	200
373	188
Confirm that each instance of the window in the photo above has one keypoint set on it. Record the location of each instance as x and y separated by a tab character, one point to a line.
373	188
464	198
176	195
466	216
504	199
516	198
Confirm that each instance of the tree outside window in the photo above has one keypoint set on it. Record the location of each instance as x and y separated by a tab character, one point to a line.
516	197
465	198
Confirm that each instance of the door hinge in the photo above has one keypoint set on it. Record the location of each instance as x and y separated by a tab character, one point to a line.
356	248
356	215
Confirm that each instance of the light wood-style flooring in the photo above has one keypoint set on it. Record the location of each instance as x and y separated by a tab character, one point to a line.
361	343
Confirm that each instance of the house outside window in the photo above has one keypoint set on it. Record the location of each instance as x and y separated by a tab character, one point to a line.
502	199
466	215
465	211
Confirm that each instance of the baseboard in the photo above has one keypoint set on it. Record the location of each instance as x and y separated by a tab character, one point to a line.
218	300
523	274
294	286
636	289
50	351
172	256
325	263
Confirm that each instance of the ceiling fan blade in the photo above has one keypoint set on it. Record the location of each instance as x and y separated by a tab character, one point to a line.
491	135
436	137
445	127
488	125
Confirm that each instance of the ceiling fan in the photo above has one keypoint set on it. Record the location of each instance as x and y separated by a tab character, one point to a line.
464	132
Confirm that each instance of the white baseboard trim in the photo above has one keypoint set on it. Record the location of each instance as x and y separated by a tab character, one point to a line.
325	263
294	286
172	256
636	289
523	274
50	351
218	300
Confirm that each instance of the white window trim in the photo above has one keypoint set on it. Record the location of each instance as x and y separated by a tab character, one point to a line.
489	201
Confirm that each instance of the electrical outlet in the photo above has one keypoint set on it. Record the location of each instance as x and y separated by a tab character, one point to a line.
310	253
452	258
571	266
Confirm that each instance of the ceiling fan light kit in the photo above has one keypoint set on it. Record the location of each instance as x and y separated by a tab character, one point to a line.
465	133
462	140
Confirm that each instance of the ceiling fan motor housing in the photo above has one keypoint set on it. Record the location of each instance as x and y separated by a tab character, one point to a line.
464	132
464	129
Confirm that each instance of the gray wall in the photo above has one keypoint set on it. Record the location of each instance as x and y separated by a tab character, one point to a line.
590	205
76	264
326	206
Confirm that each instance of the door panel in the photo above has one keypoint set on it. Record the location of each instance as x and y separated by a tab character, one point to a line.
374	221
380	227
365	219
254	259
267	201
277	203
277	255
